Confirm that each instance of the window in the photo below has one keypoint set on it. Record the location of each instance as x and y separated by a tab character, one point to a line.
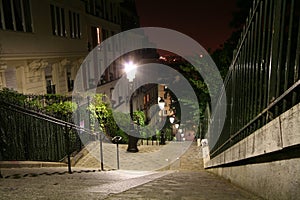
8	18
27	15
1	13
18	15
69	80
15	15
49	86
74	24
96	36
58	21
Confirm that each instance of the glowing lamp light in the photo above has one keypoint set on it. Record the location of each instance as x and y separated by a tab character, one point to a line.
176	126
172	119
161	104
130	70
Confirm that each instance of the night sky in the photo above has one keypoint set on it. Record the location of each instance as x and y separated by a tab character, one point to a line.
206	21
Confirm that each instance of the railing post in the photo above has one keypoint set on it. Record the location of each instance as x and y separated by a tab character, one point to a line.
101	151
67	140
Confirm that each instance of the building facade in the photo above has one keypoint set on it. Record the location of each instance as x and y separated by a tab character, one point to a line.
43	43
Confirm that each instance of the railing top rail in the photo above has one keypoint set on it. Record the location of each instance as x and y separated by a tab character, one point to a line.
44	117
275	102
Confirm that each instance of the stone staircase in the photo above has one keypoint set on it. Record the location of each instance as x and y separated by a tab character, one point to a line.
191	160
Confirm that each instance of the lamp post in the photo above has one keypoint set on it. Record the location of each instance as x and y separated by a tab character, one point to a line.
176	127
130	70
181	134
172	119
161	104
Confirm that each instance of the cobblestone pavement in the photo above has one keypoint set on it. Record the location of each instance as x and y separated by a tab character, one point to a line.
55	183
186	185
148	159
183	179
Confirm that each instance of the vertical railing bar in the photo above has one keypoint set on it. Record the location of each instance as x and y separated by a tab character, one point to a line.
296	67
255	61
263	7
258	64
237	91
279	66
246	68
243	85
243	35
247	48
251	74
248	79
273	59
288	54
266	81
245	30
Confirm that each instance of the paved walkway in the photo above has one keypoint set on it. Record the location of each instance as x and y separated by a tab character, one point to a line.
183	179
186	185
148	159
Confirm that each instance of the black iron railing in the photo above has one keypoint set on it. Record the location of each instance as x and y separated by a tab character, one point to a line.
263	79
30	135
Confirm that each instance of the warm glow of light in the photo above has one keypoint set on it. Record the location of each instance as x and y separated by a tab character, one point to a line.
130	70
98	35
161	104
163	58
172	120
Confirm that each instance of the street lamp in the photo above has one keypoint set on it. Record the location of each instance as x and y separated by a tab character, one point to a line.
161	104
176	127
181	134
130	70
172	119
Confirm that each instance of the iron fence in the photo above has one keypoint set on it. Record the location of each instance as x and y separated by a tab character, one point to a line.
29	135
263	79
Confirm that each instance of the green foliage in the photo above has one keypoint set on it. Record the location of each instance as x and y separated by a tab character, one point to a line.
168	133
223	56
65	108
101	111
139	118
98	111
124	120
55	105
12	96
199	86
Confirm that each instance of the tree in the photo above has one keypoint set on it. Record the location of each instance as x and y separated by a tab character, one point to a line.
223	56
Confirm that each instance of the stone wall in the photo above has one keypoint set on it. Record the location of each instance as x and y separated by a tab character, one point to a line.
268	161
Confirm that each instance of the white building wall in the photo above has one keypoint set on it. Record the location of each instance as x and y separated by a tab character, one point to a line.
25	55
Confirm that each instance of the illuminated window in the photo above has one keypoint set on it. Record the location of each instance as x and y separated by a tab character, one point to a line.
58	21
74	24
98	35
15	15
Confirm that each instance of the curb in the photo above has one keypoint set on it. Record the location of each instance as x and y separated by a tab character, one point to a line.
30	164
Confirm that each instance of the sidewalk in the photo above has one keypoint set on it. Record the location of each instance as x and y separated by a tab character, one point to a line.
145	160
56	183
188	181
